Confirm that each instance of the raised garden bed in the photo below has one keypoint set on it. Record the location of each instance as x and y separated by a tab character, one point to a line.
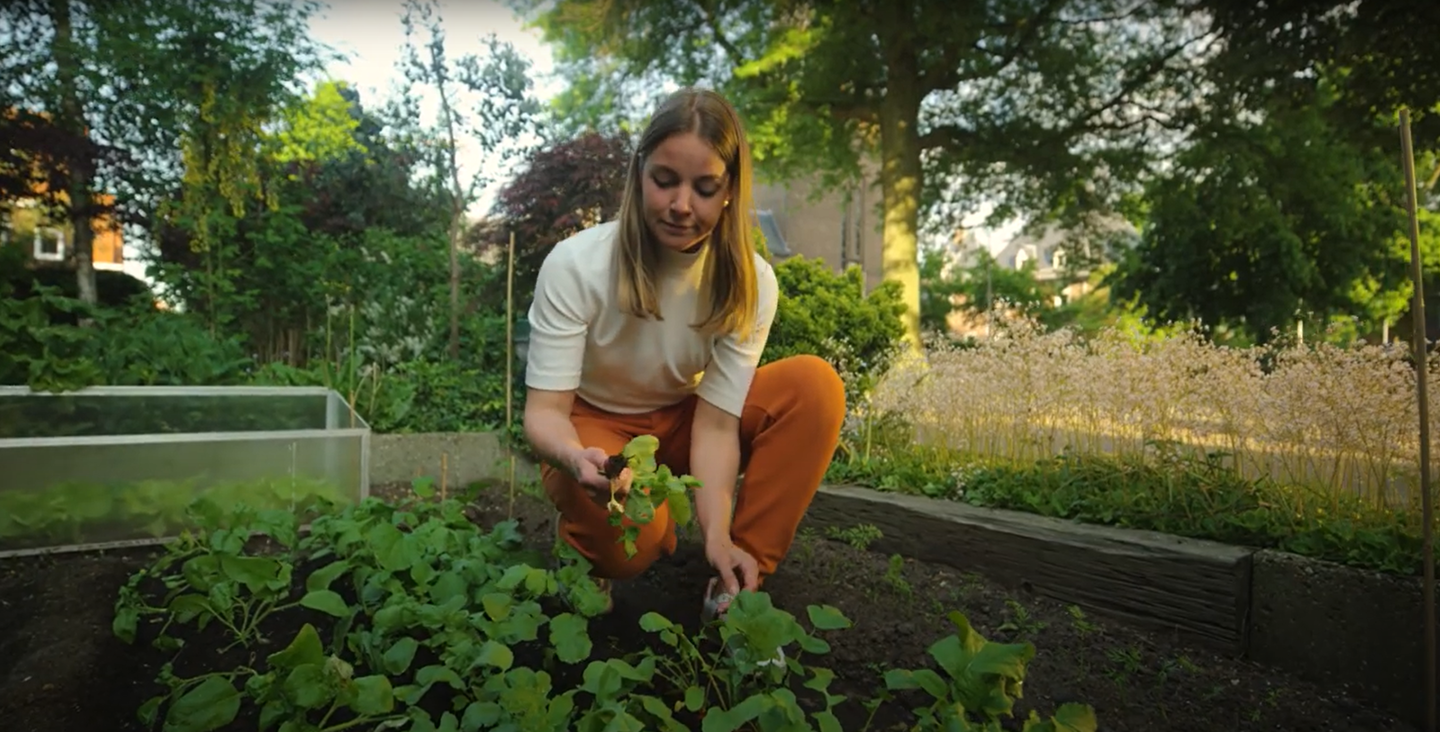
1344	627
63	669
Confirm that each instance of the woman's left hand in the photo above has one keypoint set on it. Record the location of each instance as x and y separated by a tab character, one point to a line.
738	570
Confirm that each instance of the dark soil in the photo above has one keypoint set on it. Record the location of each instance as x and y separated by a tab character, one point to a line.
62	669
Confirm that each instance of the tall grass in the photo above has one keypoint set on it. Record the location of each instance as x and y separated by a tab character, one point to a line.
1320	418
1306	447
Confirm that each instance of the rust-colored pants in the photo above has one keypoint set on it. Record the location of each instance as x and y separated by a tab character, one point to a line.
789	428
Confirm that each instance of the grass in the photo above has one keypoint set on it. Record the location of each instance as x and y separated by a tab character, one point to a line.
1309	449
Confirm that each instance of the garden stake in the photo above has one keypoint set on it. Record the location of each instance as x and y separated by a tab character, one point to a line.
510	370
1421	373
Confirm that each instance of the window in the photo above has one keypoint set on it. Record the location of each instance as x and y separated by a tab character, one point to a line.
1057	259
49	244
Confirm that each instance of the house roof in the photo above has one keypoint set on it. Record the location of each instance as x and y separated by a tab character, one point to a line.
774	240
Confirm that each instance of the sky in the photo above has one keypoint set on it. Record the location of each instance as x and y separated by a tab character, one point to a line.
370	34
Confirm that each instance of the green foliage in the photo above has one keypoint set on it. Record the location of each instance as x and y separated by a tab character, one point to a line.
981	681
830	315
42	345
1261	223
407	613
320	127
1169	492
651	486
81	512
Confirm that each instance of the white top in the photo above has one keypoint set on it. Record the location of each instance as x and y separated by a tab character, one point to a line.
580	338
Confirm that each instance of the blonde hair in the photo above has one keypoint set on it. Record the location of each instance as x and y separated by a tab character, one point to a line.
728	284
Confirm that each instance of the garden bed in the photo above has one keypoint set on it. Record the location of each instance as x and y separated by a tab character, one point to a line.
63	670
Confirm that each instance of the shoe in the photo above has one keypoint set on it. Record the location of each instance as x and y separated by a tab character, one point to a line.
716	603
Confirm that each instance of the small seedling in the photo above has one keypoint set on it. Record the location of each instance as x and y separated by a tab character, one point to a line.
651	485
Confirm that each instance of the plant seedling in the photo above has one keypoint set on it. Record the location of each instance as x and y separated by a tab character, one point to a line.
651	486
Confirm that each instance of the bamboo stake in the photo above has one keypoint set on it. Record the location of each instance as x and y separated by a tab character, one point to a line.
1422	372
510	368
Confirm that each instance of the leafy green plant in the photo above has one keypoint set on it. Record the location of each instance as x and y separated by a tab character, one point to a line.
408	614
981	682
651	486
739	684
82	512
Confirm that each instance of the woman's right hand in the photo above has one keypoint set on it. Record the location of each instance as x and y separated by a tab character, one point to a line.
587	467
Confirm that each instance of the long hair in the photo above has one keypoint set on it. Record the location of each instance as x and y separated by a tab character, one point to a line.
729	293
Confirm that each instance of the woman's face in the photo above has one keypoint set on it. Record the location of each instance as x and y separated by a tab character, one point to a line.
686	191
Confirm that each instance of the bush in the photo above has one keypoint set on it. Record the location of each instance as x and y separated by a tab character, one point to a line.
828	314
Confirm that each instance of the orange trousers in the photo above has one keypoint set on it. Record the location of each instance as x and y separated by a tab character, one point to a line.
789	429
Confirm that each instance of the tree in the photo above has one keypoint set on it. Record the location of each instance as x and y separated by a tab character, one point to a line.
503	110
1046	105
560	190
166	94
1379	55
1260	220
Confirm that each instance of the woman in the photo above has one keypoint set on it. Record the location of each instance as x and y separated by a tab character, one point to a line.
654	324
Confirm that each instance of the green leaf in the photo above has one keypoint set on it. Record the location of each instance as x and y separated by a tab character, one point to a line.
326	601
447	586
436	673
641	447
570	635
273	711
392	552
125	623
306	686
321	578
253	572
210	705
495	654
397	658
680	508
497	605
1073	717
827	721
904	679
480	715
827	617
694	698
371	695
654	622
306	648
729	720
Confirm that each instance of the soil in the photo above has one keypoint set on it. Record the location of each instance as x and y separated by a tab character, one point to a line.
63	670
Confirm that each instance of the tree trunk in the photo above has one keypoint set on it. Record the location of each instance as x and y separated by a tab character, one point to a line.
80	196
900	176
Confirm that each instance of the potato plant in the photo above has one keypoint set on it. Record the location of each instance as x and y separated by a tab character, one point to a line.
408	616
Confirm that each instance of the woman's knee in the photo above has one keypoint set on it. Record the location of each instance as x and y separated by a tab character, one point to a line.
815	384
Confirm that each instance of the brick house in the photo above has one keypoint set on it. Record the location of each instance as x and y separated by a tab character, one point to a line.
841	227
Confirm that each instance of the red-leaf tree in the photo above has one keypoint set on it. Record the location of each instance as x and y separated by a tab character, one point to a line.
560	190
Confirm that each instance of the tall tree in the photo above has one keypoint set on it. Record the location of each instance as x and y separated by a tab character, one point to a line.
501	111
164	92
1045	105
1272	215
1379	55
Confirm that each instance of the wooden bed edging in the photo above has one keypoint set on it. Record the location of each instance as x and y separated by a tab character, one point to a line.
1350	628
1198	589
